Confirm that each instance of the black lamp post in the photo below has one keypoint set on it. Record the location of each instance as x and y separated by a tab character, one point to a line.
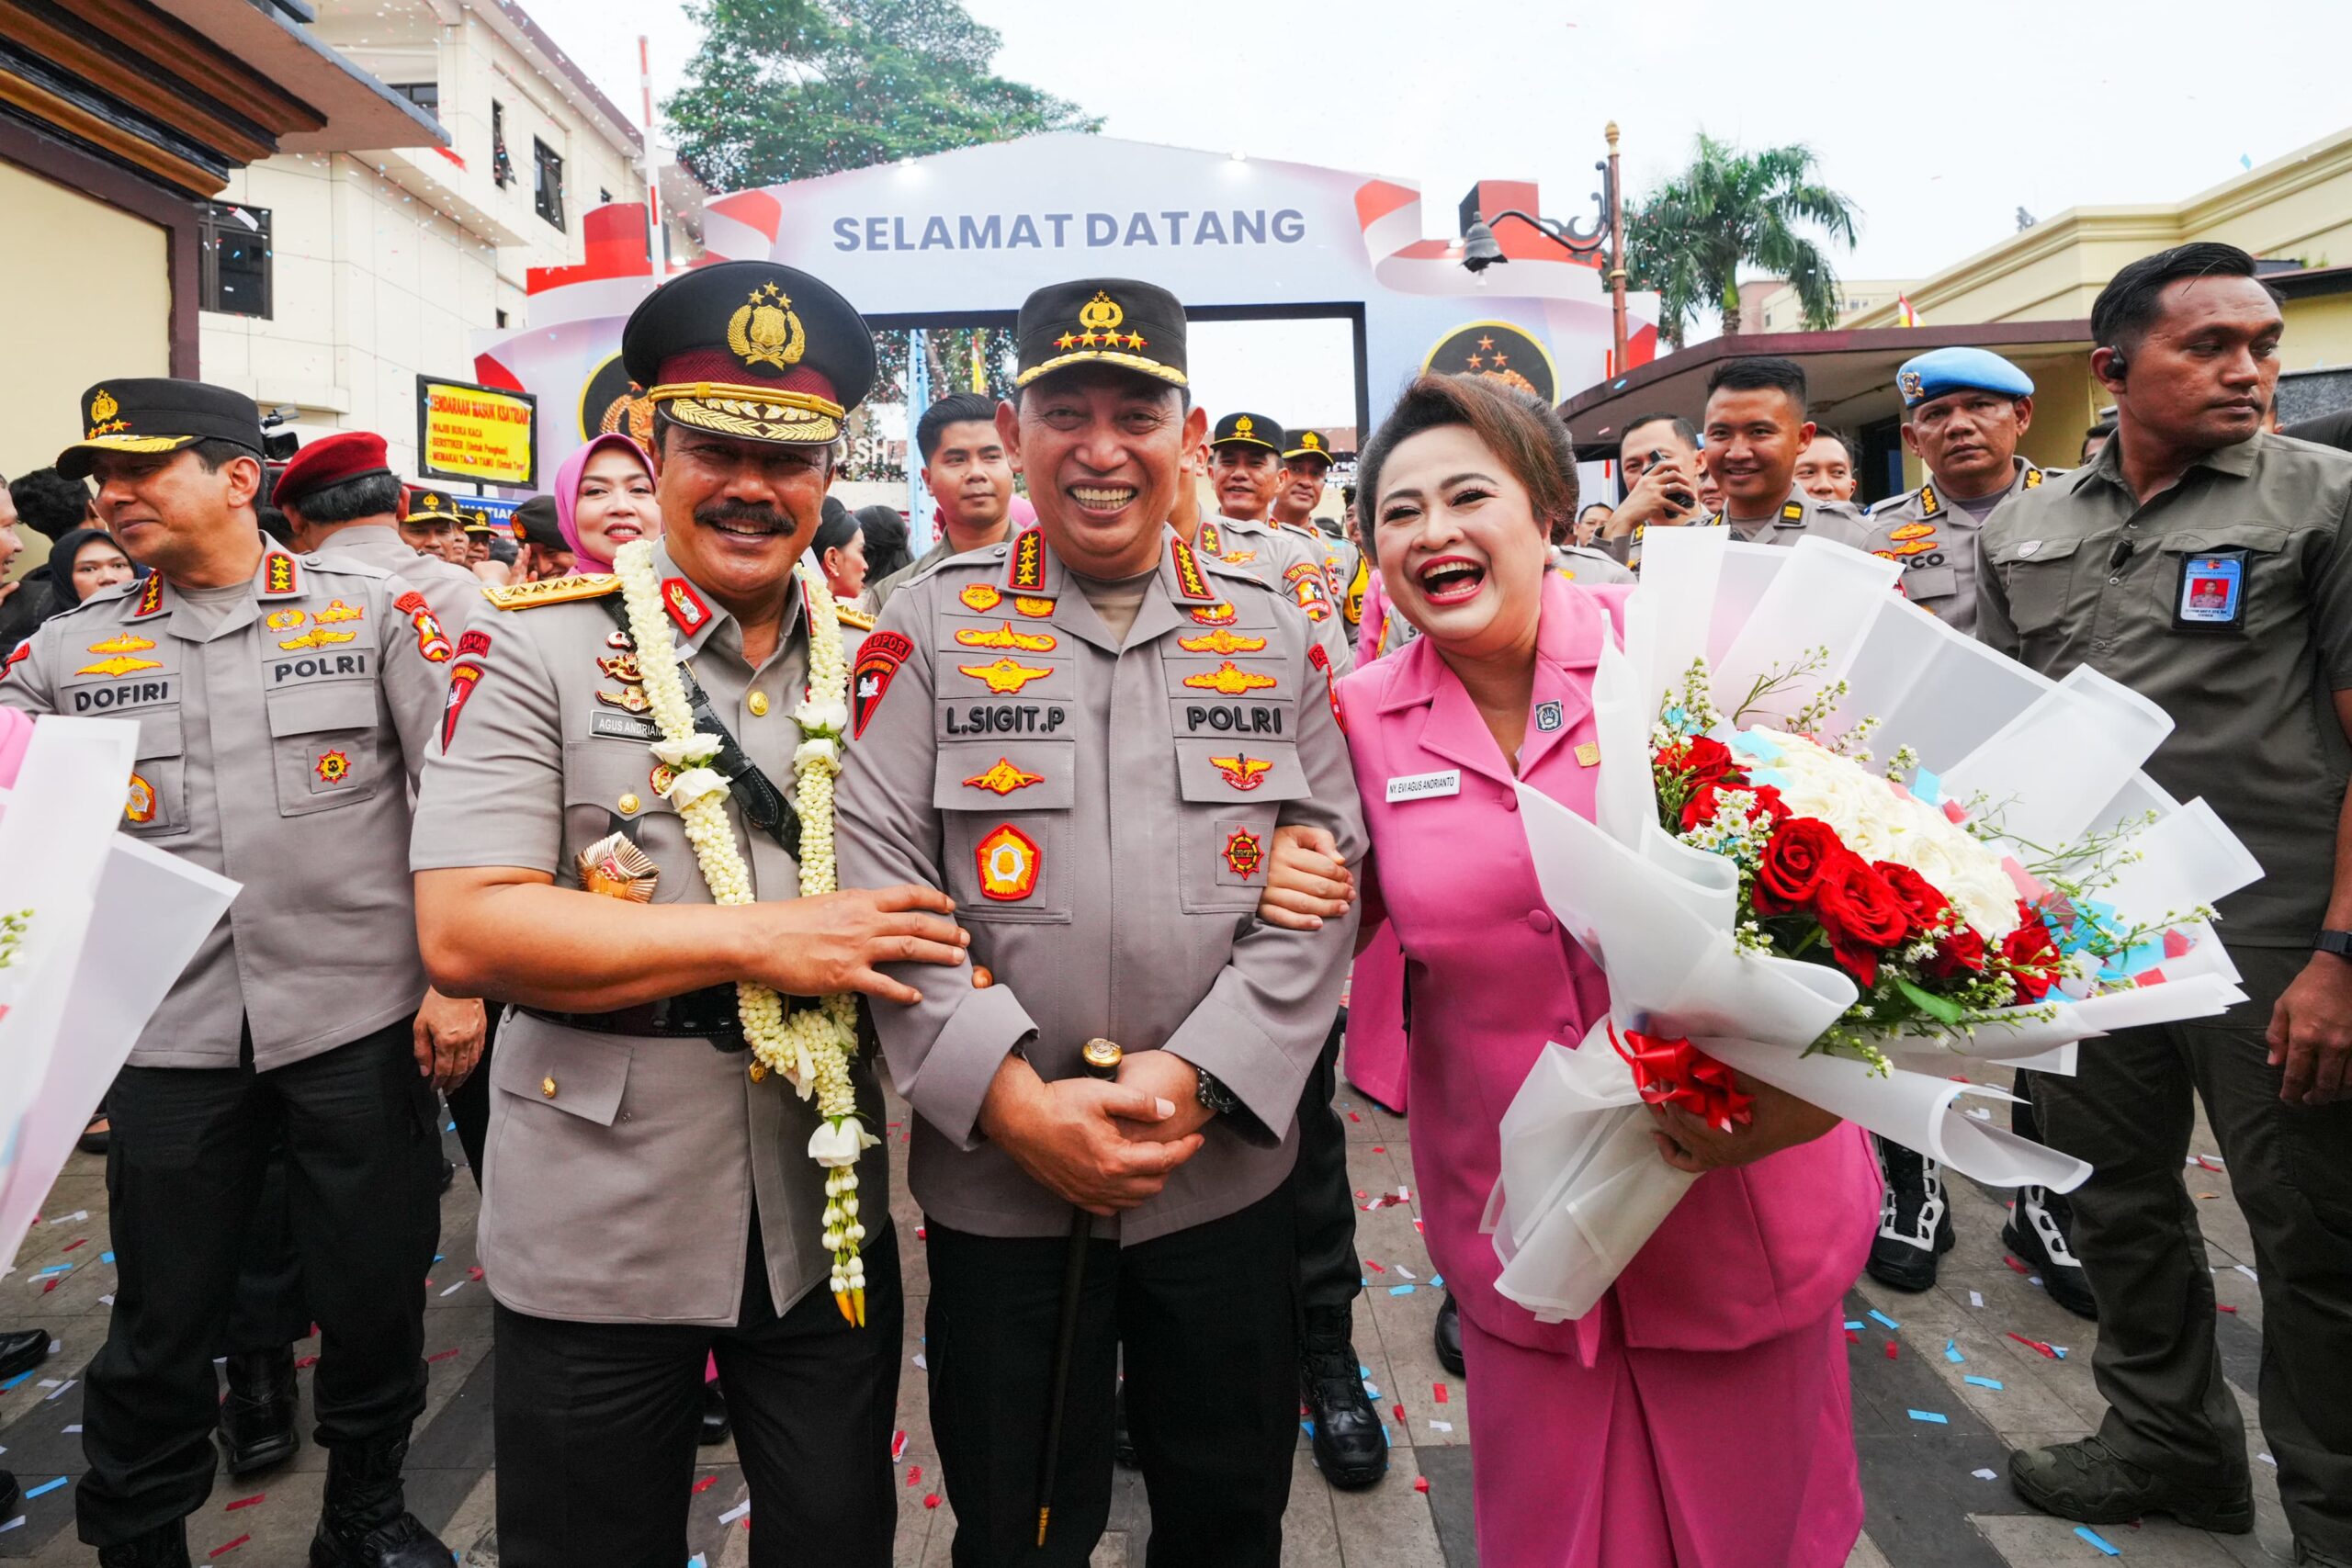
1481	250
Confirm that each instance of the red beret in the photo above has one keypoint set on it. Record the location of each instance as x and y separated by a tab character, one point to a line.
330	460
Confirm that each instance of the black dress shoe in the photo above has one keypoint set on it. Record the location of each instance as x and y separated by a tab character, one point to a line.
1914	1220
1449	1336
165	1546
22	1352
715	1424
365	1522
448	1174
2037	1232
257	1418
1349	1445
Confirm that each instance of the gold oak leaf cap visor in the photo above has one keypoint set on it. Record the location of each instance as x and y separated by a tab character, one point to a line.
1100	320
157	414
752	350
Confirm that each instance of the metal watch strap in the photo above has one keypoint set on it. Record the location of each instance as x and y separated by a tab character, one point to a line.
1214	1096
2337	942
766	807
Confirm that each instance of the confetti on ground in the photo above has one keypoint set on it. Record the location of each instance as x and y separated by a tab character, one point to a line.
69	1383
301	1361
1399	1411
1378	1150
2106	1549
898	1447
1401	1290
1890	1350
77	1241
106	1257
244	1502
2268	1459
227	1547
704	1484
1932	1417
1405	1273
1374	1266
919	1364
53	1269
1441	1426
1853	1322
2049	1350
2223	1307
1993	1383
68	1219
931	1499
1882	1320
436	1356
2249	1273
12	1524
1951	1352
1437	1391
13	1382
1976	1298
1985	1475
456	1288
741	1510
1852	1337
914	1475
2016	1265
44	1488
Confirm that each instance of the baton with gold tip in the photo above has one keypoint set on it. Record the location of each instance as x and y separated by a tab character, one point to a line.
1101	1059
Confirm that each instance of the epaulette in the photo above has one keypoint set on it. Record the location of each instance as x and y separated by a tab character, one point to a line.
1793	511
986	553
552	590
1217	566
1889	504
851	615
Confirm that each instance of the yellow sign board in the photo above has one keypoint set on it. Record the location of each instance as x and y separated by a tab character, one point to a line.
484	435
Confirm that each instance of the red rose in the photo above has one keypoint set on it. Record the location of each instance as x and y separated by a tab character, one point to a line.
2031	956
1920	897
1862	916
1702	758
1769	806
1802	848
1957	956
1699	806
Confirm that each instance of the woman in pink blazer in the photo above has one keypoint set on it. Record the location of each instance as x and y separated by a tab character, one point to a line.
1698	1417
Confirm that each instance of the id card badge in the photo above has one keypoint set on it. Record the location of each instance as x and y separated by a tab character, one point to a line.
2211	594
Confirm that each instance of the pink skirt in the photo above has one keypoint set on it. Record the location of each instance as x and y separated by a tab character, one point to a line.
1375	1061
1663	1459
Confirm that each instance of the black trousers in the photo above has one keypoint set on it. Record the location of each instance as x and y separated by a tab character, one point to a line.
596	1425
270	1311
185	1177
2129	1112
1207	1319
470	1101
1323	1201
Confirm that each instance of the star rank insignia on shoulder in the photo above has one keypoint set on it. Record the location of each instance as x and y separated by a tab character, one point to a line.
552	590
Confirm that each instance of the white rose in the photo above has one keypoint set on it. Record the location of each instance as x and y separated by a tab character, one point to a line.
693	785
821	750
813	715
695	749
840	1143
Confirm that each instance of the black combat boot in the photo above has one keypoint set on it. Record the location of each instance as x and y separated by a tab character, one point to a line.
165	1546
257	1418
2037	1230
1914	1220
365	1522
1349	1443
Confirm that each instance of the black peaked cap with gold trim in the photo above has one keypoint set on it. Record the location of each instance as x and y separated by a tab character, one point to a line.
1247	430
1307	443
751	349
158	413
1101	321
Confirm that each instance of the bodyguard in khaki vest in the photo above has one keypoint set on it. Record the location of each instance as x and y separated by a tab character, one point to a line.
657	1192
283	705
1087	739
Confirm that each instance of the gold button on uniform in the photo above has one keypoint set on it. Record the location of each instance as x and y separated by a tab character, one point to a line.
547	1087
758	703
628	804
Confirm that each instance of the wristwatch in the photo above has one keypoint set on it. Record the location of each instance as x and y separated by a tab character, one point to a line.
1215	1097
2337	942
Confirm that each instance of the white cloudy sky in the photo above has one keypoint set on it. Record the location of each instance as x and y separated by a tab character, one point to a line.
1940	121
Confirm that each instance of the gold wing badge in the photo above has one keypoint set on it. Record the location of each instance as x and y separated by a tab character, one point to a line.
766	331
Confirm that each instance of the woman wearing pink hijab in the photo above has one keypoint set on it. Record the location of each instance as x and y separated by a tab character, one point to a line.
604	499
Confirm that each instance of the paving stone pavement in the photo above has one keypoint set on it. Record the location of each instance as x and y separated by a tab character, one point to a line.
1927	1507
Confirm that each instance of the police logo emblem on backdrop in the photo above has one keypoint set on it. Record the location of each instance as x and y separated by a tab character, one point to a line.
1500	352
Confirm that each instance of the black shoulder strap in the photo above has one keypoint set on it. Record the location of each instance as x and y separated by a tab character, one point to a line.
766	807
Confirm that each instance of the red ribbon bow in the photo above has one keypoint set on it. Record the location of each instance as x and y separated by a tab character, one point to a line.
1675	1072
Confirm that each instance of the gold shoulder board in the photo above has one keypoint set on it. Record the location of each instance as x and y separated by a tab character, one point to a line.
552	590
851	615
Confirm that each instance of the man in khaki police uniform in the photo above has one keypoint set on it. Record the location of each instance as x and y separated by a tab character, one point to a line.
650	1202
969	480
1965	407
2204	564
284	704
1306	460
1246	472
1088	737
1756	428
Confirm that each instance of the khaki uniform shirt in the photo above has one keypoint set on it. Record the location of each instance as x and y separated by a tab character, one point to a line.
1799	515
454	594
623	1171
278	737
1100	810
2226	600
878	592
1582	563
1290	565
1935	542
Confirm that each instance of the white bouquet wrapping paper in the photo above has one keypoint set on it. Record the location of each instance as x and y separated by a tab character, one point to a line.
112	923
1582	1185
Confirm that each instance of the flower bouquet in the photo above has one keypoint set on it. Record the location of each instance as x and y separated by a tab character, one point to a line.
1764	896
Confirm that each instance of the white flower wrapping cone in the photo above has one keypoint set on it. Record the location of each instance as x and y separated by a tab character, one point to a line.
1582	1188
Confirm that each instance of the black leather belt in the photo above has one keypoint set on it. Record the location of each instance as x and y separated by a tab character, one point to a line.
709	1014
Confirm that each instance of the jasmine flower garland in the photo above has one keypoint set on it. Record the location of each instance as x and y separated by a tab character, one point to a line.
811	1048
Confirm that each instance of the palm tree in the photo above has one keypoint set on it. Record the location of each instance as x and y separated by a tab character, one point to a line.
1689	239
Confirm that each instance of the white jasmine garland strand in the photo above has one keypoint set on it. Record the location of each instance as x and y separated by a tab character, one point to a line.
811	1048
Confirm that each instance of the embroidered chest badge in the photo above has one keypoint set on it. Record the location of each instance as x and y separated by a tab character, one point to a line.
1006	676
1009	862
1244	853
1229	680
1244	773
1003	778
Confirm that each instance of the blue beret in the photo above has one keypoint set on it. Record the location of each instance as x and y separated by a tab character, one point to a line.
1942	370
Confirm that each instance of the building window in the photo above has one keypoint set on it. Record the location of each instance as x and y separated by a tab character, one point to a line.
502	167
425	95
546	191
233	260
